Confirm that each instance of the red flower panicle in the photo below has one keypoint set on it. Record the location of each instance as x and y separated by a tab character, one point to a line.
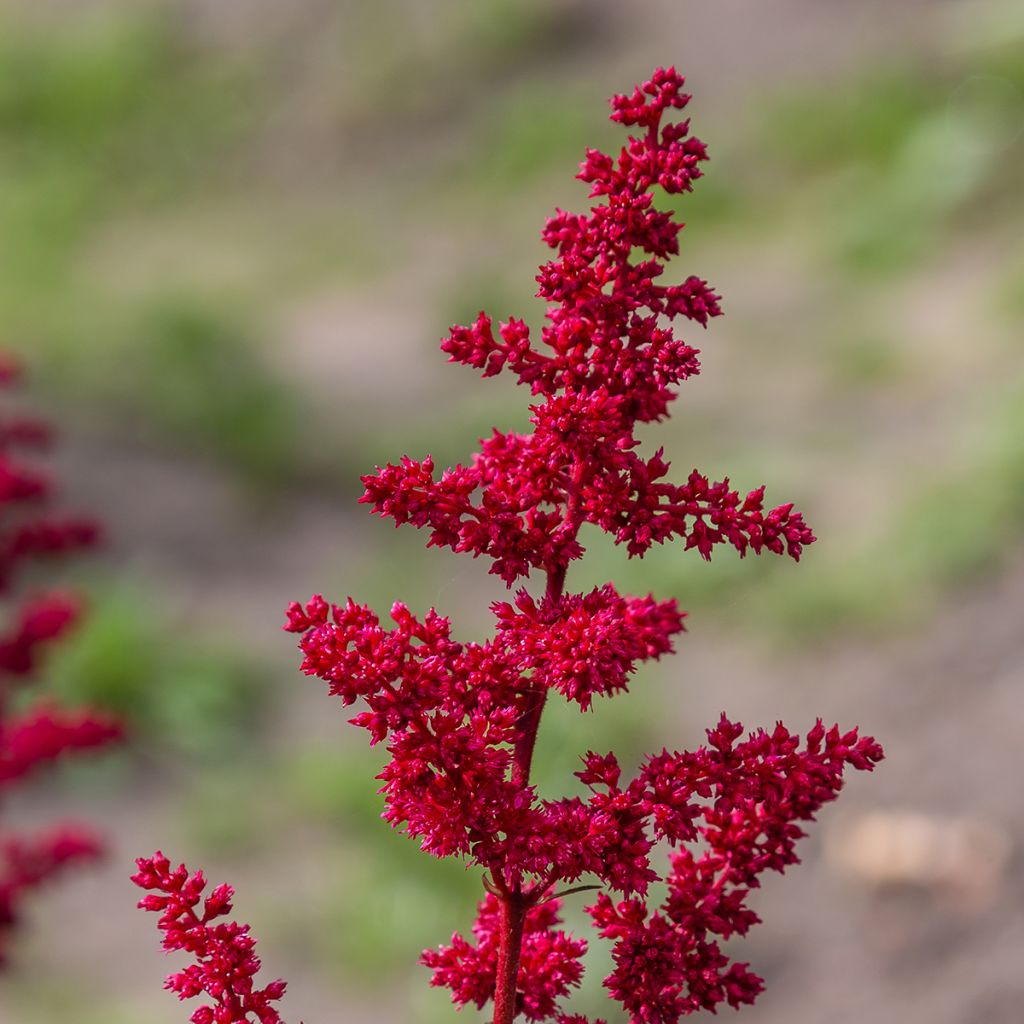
36	735
225	953
460	719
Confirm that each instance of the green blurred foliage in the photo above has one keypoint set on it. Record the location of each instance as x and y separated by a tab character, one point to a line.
60	997
622	725
410	64
865	121
173	689
226	817
526	139
952	529
104	117
894	156
213	394
1009	292
101	125
866	361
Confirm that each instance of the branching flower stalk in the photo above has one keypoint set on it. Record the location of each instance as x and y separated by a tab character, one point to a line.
460	720
224	952
35	732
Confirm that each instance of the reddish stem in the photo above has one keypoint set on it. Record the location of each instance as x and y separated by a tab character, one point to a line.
530	723
514	902
513	916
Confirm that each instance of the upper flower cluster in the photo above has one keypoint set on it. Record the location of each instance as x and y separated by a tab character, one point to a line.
607	359
40	732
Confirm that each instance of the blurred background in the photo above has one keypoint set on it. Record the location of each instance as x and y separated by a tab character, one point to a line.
231	235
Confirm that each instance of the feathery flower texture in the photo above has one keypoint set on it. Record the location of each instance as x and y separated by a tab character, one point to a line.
34	733
460	719
226	961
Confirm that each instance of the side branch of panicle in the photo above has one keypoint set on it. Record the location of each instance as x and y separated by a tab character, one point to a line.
224	952
589	644
743	801
38	622
45	733
449	713
27	529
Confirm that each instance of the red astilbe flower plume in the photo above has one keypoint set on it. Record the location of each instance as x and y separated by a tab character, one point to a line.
225	953
460	719
35	732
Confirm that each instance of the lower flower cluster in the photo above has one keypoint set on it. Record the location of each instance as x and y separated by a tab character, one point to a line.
730	810
225	953
549	967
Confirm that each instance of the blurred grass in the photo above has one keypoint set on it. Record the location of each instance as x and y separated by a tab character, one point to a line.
124	113
1008	295
383	910
892	158
214	395
180	376
175	691
365	928
527	138
411	65
105	121
111	115
865	360
118	121
62	997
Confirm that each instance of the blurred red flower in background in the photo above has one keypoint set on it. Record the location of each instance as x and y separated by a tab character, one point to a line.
34	730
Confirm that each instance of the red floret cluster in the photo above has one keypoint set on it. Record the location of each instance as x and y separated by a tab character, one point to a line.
35	732
549	965
742	801
460	719
225	953
606	361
